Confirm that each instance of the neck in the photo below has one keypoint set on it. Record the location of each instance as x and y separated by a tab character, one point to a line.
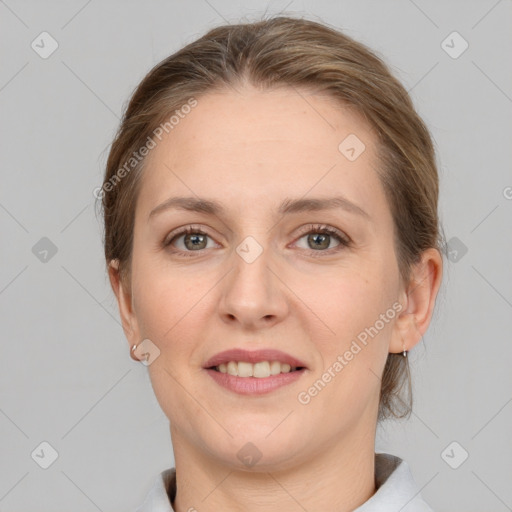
340	477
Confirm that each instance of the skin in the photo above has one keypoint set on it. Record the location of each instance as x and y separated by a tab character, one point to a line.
250	150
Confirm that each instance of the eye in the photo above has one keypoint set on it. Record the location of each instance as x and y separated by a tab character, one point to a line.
194	239
319	238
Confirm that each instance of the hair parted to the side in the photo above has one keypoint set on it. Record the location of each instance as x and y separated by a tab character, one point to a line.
303	54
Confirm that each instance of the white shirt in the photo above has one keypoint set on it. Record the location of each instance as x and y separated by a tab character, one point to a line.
396	489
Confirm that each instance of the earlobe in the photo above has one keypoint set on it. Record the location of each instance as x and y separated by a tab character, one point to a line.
419	301
124	302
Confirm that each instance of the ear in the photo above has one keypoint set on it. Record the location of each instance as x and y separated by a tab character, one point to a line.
418	300
124	302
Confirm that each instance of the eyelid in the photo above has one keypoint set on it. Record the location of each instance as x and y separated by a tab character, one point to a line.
330	230
183	230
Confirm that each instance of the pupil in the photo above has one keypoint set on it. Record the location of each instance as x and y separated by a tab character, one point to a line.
321	237
195	239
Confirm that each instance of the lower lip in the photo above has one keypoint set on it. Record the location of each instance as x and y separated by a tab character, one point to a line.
254	385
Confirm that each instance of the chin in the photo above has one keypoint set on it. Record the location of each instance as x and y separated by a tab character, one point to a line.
258	453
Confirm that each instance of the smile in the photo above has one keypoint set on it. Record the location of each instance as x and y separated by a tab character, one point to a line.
260	370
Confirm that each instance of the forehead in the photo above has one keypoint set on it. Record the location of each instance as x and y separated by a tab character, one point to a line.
252	148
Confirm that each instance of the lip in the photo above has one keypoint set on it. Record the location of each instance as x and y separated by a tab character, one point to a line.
252	356
254	385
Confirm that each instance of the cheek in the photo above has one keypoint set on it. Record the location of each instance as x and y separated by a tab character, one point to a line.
153	303
169	304
158	294
354	298
357	307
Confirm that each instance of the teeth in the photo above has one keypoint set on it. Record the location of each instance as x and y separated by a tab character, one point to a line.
245	369
259	370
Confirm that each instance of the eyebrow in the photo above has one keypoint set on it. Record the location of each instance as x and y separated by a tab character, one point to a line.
288	206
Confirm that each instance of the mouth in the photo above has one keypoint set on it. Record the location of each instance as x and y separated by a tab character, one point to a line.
260	363
254	378
260	370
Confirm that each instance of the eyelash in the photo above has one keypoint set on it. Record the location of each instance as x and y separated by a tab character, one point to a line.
344	241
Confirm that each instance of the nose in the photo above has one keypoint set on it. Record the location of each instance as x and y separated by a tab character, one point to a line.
253	293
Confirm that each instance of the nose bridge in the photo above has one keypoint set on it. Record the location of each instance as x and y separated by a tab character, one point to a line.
251	260
252	292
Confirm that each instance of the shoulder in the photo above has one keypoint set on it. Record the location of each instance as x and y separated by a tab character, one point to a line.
162	493
396	488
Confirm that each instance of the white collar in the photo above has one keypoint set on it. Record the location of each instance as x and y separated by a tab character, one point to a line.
396	489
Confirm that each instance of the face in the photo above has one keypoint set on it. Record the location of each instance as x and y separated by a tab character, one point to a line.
252	276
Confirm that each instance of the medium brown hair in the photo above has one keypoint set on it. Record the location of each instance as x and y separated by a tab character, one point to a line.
303	54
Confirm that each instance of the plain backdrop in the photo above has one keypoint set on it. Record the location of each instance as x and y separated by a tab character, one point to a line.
71	397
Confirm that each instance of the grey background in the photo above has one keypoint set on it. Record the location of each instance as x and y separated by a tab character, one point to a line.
65	374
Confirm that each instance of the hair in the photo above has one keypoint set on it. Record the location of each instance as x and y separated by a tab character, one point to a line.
288	52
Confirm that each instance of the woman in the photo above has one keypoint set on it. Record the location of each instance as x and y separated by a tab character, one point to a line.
272	238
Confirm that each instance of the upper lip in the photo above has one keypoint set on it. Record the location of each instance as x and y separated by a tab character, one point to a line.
252	356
